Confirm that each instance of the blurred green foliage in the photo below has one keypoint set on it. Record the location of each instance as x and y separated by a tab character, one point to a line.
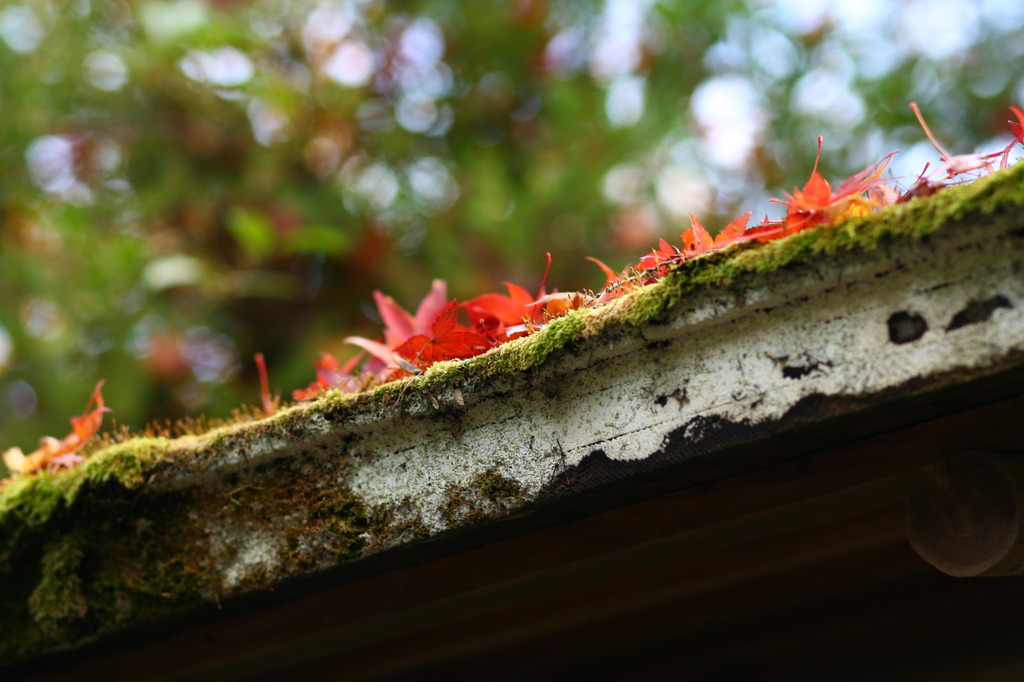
184	183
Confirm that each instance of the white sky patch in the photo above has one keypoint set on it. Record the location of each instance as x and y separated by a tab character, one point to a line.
269	124
799	16
378	185
416	113
20	29
421	44
421	76
624	100
1000	14
565	54
225	67
618	45
432	183
106	70
51	162
623	184
681	191
351	64
875	58
728	112
773	53
169	20
826	96
871	17
939	29
326	26
909	163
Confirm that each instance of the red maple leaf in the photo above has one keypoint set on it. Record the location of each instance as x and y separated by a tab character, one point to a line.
330	374
697	239
659	259
271	403
733	232
493	314
650	268
1017	126
448	340
399	325
616	284
1018	133
502	318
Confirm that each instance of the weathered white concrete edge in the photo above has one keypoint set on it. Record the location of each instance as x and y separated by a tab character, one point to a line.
723	355
720	355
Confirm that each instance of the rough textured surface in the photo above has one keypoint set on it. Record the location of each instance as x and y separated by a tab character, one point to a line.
731	348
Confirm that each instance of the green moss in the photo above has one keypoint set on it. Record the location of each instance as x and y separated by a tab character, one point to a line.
498	488
32	500
152	557
57	598
347	520
41	600
489	492
388	526
461	505
126	463
122	555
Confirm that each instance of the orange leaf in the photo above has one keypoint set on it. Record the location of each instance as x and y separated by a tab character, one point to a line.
56	454
733	231
696	240
610	276
817	204
88	424
561	303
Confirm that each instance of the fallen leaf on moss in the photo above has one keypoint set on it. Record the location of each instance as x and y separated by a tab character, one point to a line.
53	454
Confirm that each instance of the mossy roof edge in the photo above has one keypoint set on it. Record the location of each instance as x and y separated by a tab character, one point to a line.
29	501
34	499
915	219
